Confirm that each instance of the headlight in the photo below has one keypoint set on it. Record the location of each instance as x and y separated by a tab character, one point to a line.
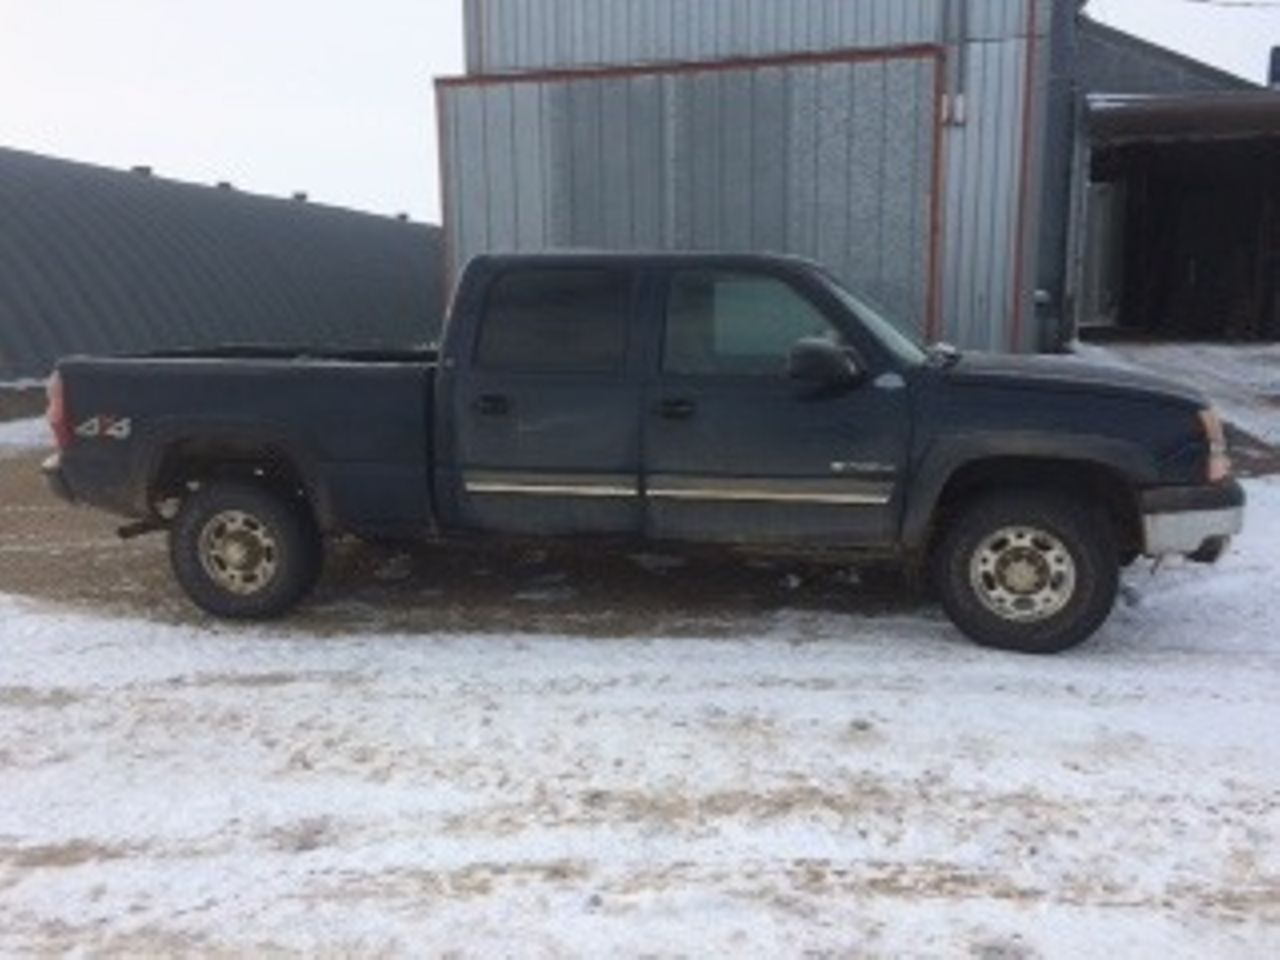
1219	459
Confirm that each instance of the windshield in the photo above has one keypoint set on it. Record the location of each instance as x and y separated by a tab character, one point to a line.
901	345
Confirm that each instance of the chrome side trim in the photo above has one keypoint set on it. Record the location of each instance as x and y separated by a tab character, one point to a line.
602	486
838	493
550	490
761	496
799	490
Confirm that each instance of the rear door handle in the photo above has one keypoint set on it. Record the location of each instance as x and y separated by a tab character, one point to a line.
676	409
492	405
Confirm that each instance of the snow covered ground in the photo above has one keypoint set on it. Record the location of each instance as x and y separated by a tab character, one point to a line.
21	436
796	782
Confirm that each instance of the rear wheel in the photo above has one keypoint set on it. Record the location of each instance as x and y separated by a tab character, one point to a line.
1028	572
244	553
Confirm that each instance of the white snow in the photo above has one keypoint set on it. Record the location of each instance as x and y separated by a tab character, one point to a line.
20	436
841	785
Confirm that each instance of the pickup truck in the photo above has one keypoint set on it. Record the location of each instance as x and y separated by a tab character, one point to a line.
737	401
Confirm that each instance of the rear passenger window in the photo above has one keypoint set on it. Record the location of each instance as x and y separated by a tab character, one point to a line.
556	321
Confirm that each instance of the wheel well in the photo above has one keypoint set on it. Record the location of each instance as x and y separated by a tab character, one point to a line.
1072	478
191	463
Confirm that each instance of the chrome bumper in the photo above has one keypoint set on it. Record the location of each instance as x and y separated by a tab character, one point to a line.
1186	533
1192	520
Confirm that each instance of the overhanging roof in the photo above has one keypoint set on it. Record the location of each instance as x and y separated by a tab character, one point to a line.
1186	118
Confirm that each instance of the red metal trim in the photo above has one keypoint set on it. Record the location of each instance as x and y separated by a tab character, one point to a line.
914	52
1020	252
933	310
446	208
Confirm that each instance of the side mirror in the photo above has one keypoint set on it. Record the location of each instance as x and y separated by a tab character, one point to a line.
823	364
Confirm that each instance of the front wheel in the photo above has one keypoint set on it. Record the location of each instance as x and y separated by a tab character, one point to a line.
243	553
1027	572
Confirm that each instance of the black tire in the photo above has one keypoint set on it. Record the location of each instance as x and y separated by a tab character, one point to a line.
285	551
975	591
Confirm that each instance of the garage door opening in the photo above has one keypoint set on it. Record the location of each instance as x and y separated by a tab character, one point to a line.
1183	222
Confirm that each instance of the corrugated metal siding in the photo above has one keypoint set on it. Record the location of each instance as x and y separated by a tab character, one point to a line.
702	166
533	35
100	261
983	200
831	160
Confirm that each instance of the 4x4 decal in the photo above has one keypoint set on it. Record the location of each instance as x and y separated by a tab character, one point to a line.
110	428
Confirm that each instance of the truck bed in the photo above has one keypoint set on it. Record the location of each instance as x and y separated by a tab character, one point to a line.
355	423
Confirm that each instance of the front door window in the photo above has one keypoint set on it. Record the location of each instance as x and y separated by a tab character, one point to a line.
735	324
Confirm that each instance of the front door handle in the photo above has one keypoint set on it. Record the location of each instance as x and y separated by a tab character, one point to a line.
492	405
676	409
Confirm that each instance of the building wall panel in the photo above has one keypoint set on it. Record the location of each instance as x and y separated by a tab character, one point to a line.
984	194
800	154
505	36
830	160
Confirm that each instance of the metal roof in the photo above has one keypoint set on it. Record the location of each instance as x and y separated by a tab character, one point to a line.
1185	118
94	260
1113	61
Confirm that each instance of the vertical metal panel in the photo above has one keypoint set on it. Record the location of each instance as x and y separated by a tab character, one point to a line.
831	160
769	170
528	158
505	36
983	192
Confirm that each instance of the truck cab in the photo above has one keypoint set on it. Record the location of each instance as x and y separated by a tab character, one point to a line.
735	400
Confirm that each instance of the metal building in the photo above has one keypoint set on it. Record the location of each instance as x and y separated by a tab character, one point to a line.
102	261
898	141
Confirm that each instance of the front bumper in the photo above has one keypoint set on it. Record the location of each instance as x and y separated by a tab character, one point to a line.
1192	521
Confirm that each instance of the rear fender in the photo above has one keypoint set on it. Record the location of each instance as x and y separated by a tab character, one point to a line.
159	438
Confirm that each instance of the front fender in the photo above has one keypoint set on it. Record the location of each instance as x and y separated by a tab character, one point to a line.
945	456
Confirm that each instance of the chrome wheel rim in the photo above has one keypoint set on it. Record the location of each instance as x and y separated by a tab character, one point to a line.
239	552
1023	574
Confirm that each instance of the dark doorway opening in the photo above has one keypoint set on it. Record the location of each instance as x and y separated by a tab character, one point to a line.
1185	240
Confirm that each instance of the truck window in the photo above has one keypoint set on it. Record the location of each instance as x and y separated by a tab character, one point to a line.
735	324
556	321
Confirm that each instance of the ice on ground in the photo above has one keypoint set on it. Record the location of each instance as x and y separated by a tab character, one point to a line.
19	436
822	783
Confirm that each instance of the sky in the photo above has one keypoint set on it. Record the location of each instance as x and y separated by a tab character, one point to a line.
333	97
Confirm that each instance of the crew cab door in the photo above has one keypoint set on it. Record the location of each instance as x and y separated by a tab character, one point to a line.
735	450
544	413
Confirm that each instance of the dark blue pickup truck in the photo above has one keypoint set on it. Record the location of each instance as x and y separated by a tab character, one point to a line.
742	401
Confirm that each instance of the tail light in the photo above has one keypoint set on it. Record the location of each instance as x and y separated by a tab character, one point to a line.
57	413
